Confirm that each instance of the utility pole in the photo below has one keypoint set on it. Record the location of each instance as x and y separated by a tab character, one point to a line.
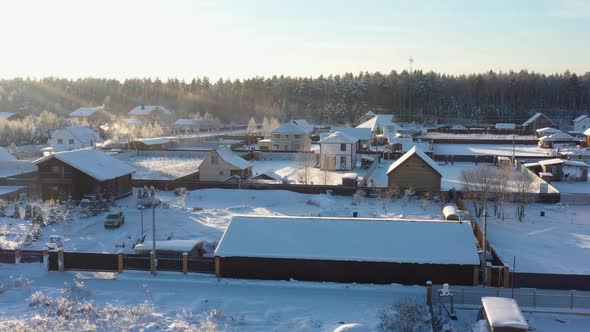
513	147
154	238
485	231
141	214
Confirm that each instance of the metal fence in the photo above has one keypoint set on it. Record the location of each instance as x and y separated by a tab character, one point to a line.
526	297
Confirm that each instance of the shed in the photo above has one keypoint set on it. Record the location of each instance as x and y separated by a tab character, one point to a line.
415	170
349	179
450	212
154	144
81	172
503	315
538	120
348	250
223	165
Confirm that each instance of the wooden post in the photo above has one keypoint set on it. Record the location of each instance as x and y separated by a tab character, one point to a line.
60	260
488	276
475	275
46	258
16	256
184	262
120	261
506	277
218	266
152	262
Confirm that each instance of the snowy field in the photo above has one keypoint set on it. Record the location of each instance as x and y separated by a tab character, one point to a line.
208	224
572	187
491	150
556	243
164	167
136	301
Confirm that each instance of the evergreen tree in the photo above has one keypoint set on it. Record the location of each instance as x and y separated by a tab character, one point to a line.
16	212
2	208
28	211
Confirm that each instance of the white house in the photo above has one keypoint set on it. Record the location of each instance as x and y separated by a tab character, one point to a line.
287	137
304	124
338	152
91	114
362	134
72	138
223	165
582	123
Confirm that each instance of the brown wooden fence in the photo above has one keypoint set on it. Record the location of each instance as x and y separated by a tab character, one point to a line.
136	262
31	256
7	256
90	261
201	265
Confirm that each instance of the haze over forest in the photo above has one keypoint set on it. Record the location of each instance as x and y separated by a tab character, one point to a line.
423	96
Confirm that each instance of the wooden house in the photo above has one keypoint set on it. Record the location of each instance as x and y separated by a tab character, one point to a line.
93	115
348	250
414	170
152	144
223	165
83	172
537	121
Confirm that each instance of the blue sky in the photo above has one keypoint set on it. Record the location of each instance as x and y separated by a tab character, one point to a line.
237	39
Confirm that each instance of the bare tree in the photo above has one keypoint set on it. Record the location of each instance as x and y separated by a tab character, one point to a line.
523	186
358	197
478	183
407	197
384	197
307	162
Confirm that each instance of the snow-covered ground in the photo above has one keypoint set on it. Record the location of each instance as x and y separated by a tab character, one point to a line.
219	205
137	301
432	135
154	167
559	242
491	150
582	187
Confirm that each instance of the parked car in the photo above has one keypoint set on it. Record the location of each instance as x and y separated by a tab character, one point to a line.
55	242
114	220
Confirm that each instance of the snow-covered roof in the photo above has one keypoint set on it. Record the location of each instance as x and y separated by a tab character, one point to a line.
459	127
304	124
170	245
7	115
421	155
5	155
554	161
350	176
503	312
93	162
148	109
533	118
153	141
580	118
85	111
231	158
587	132
133	122
505	126
378	121
289	128
558	137
339	137
82	133
349	239
16	167
370	113
362	134
548	130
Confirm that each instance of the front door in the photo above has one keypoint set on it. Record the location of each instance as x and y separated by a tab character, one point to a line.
343	162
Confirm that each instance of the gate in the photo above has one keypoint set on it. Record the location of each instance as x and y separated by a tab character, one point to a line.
31	256
136	262
7	256
90	261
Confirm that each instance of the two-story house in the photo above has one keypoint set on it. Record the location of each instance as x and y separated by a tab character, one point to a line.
72	138
287	137
338	152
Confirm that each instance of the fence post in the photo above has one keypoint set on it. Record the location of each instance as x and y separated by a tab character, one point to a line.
60	260
534	298
488	280
152	262
572	299
184	262
218	266
46	258
16	256
120	261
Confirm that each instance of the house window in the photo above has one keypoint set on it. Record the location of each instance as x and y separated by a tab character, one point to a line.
296	147
71	141
60	141
276	146
333	162
277	136
343	147
214	160
297	136
220	172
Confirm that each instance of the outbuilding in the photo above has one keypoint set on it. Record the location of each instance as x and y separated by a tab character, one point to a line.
223	165
348	250
414	170
503	315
